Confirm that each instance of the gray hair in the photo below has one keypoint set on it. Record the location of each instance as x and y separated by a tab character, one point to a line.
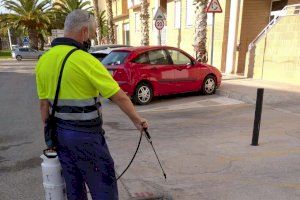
77	19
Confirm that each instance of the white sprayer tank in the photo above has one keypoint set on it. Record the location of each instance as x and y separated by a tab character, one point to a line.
53	181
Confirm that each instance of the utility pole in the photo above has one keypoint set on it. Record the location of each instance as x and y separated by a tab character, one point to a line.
9	38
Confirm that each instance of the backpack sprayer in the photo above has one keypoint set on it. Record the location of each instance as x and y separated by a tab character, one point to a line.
53	180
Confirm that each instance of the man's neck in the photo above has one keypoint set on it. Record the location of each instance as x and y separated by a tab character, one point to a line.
74	37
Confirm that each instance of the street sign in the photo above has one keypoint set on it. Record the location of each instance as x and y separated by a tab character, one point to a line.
159	24
159	15
25	41
57	33
214	7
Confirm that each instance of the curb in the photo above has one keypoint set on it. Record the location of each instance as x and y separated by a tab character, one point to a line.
237	96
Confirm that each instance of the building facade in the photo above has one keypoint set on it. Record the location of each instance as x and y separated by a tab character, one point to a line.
235	28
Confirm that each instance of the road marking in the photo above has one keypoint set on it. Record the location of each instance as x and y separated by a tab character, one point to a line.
219	101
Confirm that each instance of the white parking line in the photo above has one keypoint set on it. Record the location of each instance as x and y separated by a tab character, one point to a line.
219	101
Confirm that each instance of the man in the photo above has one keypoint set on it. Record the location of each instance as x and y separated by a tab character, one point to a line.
81	148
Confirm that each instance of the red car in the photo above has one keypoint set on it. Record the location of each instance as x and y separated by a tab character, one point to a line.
145	72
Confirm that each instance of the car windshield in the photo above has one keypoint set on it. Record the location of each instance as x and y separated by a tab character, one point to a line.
115	58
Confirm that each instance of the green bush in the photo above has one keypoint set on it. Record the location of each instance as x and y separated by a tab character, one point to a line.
5	54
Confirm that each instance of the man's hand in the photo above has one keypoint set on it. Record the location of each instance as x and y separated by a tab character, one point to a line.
141	124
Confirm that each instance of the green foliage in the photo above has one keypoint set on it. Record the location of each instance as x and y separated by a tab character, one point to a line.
33	15
5	54
103	25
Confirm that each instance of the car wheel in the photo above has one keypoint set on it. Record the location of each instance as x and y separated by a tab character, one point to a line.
209	85
143	94
19	58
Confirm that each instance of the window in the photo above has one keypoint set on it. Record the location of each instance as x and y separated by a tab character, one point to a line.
209	19
115	58
136	2
24	49
190	13
137	22
129	3
158	57
179	58
142	59
126	34
177	14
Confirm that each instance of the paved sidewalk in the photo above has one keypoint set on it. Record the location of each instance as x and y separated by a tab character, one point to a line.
225	161
284	97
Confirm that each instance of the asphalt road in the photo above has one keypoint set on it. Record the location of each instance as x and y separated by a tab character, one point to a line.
203	142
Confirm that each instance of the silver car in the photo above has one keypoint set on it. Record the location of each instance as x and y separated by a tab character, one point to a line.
26	53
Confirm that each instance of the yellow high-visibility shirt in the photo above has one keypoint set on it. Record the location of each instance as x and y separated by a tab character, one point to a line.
83	77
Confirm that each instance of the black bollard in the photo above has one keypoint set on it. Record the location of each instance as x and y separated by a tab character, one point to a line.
257	119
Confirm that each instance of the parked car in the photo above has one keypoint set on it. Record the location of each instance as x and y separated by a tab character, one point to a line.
105	46
146	72
14	46
26	53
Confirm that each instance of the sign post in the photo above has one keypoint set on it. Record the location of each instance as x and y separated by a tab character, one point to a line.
213	7
159	23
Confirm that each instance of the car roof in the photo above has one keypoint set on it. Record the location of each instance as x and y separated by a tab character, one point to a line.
143	48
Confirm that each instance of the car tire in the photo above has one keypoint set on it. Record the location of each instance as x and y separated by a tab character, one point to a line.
19	58
209	85
143	94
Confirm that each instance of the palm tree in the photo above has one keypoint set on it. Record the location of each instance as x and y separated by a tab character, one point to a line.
31	14
62	8
144	17
96	13
111	33
102	23
200	30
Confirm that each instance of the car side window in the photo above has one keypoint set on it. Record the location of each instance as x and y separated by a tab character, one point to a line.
178	57
158	57
142	59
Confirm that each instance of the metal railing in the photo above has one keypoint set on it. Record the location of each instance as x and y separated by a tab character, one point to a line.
289	10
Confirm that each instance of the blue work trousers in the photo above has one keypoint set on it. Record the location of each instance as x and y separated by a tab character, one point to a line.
85	159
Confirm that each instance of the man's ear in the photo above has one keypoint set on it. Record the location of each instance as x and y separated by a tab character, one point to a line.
84	30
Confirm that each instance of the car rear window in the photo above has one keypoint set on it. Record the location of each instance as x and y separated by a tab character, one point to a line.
115	58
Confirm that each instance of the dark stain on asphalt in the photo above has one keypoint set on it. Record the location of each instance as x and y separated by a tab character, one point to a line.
3	148
21	165
2	159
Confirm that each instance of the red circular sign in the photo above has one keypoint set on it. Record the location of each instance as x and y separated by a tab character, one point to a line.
159	24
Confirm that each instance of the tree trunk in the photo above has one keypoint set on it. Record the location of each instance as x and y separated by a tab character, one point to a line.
200	30
0	43
42	42
33	38
111	33
144	17
96	13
